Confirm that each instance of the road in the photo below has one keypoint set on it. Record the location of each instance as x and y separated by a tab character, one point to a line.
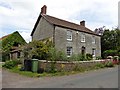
103	78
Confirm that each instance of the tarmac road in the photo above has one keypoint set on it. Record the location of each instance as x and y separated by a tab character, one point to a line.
103	78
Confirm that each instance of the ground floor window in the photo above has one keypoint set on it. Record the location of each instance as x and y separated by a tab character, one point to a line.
69	51
93	52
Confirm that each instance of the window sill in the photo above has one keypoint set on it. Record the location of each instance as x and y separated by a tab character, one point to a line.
69	40
83	41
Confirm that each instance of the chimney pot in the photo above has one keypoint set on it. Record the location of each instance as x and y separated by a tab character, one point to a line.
44	9
82	23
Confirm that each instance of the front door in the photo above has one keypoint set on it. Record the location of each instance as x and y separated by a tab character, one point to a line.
83	50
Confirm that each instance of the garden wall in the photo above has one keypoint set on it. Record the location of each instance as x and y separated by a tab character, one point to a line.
67	66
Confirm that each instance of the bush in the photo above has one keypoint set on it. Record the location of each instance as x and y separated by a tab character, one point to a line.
89	56
109	64
52	54
81	57
61	56
98	58
100	65
74	57
37	49
115	58
110	53
10	64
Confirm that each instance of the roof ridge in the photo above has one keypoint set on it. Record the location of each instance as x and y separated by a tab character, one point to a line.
63	23
62	20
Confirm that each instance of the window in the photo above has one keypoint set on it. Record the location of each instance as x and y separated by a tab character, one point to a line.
93	39
69	51
93	52
83	37
69	35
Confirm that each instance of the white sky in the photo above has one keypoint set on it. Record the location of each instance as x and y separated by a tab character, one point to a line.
21	15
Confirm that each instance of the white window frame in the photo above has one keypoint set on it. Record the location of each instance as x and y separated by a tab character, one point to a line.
93	39
82	37
69	51
69	35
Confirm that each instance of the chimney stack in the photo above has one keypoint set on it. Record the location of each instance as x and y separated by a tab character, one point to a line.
82	23
44	9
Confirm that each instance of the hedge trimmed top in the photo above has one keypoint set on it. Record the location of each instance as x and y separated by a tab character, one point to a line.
11	40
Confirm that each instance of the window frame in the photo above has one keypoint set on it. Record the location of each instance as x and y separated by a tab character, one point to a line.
93	40
83	37
93	52
69	52
69	35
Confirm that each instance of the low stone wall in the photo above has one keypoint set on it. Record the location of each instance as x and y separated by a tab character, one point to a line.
68	66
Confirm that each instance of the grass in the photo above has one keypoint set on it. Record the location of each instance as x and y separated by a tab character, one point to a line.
45	74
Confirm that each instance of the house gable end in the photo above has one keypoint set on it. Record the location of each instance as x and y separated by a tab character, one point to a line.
43	30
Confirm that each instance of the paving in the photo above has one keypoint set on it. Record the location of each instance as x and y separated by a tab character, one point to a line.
103	78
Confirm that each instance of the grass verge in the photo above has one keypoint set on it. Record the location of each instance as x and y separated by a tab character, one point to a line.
45	74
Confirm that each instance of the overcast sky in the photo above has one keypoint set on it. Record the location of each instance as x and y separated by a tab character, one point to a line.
21	15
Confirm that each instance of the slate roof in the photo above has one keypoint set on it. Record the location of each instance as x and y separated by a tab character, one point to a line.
63	23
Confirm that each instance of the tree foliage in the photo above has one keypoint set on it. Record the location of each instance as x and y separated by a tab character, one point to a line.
37	49
110	40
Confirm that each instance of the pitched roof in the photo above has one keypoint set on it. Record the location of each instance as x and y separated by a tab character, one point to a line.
4	37
63	23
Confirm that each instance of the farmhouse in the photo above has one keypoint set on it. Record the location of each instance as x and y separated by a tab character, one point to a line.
66	36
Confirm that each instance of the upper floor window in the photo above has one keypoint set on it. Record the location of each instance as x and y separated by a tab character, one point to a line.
69	35
82	37
93	39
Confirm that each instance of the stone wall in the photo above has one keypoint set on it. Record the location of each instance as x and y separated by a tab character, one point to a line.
67	66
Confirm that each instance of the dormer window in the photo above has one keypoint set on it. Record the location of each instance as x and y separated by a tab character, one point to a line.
69	35
82	37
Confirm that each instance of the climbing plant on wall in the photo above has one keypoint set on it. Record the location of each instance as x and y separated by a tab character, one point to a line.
8	42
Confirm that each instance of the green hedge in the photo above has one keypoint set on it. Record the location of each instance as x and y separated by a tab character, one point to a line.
11	64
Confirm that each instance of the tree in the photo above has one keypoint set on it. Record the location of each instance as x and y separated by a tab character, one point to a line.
110	40
37	49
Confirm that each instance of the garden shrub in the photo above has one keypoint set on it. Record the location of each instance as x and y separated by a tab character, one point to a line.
110	53
74	57
109	64
115	58
89	56
98	57
10	64
100	65
61	56
81	57
52	56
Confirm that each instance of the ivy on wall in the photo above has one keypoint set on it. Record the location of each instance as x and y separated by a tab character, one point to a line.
9	41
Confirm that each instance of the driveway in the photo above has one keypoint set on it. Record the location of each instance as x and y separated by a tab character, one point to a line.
103	78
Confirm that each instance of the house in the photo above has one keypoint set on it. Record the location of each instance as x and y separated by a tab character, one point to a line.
66	36
11	46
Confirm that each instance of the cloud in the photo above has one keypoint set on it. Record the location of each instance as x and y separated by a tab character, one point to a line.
21	15
25	35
